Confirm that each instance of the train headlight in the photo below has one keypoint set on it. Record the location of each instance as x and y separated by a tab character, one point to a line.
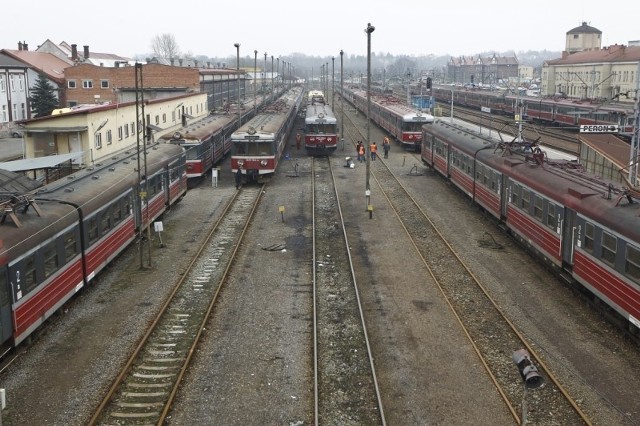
240	163
263	163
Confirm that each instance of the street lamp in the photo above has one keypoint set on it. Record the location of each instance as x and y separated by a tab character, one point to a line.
370	28
341	100
272	88
255	81
264	72
333	80
237	45
278	71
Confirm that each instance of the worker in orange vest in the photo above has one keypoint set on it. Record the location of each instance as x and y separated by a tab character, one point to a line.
361	153
374	151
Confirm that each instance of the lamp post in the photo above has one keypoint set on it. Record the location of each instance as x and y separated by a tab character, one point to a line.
370	28
333	80
278	71
341	100
237	45
272	88
264	71
255	81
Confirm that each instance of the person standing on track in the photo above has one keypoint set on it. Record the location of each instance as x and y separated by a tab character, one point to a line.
298	140
361	153
239	178
373	148
386	146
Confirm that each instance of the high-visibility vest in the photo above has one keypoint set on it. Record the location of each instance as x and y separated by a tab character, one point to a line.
374	147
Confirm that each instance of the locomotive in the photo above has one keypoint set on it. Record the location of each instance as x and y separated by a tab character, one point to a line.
402	122
320	129
258	144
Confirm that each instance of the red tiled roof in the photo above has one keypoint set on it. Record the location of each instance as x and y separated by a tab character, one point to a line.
47	63
615	53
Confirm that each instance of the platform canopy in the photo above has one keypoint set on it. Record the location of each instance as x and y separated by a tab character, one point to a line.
47	162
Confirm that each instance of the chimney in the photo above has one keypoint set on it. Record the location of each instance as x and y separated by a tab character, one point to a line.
180	61
74	52
19	45
86	52
25	46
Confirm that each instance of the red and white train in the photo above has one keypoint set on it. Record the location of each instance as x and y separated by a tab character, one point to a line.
402	122
586	228
320	129
556	111
259	143
66	232
207	141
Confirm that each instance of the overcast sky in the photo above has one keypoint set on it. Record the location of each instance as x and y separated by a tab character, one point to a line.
315	28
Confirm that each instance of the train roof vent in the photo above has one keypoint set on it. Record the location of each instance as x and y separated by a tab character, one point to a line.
71	177
112	169
126	162
69	189
581	193
95	177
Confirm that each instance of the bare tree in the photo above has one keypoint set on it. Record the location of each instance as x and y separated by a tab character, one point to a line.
165	46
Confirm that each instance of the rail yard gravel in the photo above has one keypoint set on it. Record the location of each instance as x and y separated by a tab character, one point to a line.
254	366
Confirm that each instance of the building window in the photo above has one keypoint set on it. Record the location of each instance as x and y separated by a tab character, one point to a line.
157	120
109	137
126	130
164	118
133	128
104	84
120	133
98	140
87	84
589	236
71	84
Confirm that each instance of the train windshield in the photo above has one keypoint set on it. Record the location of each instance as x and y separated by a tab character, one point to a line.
253	148
192	152
320	128
412	126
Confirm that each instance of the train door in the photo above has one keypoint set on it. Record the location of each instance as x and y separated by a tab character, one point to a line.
5	306
504	192
570	236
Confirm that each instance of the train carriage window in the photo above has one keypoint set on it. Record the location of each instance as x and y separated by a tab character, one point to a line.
632	262
92	230
538	204
29	273
4	294
105	221
589	236
526	199
609	243
50	254
70	246
551	216
515	194
117	212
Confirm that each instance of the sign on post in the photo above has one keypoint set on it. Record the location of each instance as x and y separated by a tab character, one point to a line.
599	128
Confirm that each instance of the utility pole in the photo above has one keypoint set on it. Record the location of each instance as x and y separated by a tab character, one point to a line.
370	28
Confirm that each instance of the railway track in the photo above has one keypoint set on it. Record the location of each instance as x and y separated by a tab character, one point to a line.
144	390
345	385
492	335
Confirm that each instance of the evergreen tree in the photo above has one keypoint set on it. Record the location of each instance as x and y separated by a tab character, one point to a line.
43	97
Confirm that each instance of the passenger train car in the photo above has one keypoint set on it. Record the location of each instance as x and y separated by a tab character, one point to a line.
259	143
207	141
320	129
403	122
553	111
587	229
66	232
